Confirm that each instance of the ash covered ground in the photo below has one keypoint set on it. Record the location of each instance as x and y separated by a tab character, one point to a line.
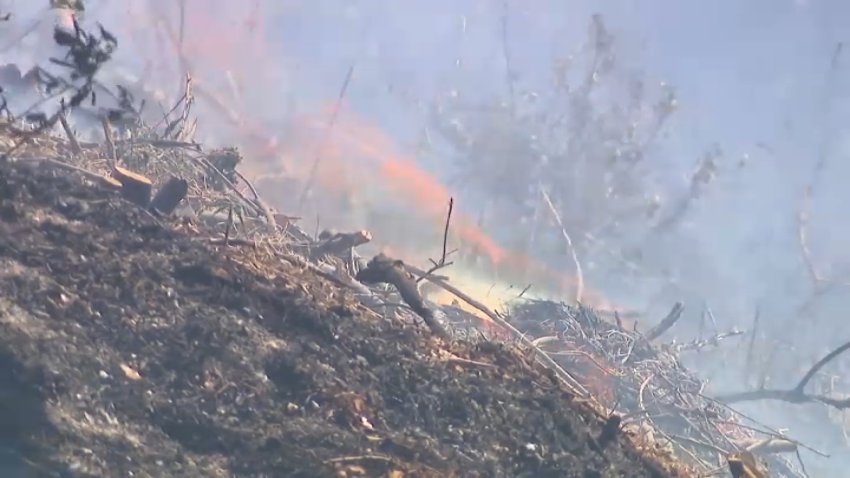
132	347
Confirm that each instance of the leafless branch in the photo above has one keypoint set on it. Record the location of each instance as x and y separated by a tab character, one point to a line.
672	317
796	394
506	54
802	236
437	265
317	159
751	346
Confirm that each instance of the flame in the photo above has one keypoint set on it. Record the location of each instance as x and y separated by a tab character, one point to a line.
425	193
221	38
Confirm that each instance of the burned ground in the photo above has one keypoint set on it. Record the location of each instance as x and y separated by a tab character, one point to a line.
130	346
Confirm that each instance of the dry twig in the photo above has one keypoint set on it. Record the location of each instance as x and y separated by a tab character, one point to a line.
571	249
437	265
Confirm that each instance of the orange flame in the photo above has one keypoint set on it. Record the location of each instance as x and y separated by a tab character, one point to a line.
217	38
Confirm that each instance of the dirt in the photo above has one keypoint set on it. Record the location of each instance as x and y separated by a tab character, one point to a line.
130	346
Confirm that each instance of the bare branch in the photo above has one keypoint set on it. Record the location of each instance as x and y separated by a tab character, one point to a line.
796	394
802	236
442	262
672	317
819	365
318	157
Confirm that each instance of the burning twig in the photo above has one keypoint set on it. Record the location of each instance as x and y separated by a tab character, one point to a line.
651	385
796	394
521	338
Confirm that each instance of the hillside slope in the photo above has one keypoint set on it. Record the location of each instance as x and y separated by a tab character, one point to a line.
130	346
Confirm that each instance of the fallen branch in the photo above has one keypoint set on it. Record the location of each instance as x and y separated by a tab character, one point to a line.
797	394
107	181
385	270
541	356
767	445
340	242
135	187
672	317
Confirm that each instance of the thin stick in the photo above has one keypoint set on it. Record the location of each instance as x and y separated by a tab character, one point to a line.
506	54
802	237
574	385
110	144
446	229
318	157
751	346
344	459
570	247
75	146
229	226
442	262
60	164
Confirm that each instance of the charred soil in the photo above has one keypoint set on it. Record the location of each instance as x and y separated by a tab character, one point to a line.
131	346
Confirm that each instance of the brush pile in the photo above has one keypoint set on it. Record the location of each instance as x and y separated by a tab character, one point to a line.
661	402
